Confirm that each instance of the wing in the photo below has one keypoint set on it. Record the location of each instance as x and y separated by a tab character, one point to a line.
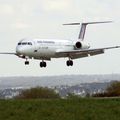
7	53
73	54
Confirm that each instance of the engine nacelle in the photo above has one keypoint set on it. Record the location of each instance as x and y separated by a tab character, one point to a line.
81	45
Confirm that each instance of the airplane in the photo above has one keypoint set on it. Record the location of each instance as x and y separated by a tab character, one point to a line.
46	49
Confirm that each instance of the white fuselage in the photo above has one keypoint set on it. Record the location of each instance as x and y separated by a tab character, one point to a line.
43	48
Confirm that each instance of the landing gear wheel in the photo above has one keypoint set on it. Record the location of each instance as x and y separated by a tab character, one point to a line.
26	62
69	63
43	64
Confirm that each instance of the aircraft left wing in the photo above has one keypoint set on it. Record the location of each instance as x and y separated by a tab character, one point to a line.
73	54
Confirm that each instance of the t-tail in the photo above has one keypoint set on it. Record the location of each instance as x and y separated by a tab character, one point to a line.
83	28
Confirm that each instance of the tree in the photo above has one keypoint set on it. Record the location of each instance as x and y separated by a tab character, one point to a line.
38	93
112	90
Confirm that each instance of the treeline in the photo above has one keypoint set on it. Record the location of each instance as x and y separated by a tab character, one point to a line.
113	90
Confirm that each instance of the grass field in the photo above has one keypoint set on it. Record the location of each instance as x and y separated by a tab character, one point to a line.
72	109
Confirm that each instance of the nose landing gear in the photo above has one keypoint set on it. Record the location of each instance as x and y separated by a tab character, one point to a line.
26	62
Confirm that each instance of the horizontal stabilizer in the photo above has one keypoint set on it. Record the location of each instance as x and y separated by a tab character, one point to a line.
72	24
88	23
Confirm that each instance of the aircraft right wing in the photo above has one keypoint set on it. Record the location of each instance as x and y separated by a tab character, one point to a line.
73	54
8	53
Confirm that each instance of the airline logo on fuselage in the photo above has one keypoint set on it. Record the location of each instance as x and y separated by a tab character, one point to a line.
49	42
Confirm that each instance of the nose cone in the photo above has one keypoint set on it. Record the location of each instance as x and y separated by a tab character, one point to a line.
19	50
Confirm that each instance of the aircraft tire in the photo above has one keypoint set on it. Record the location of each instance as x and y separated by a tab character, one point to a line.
26	62
43	64
69	63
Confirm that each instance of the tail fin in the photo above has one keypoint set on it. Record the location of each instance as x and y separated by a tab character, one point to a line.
83	28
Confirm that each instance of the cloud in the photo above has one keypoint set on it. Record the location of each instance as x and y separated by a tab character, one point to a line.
20	25
6	9
56	5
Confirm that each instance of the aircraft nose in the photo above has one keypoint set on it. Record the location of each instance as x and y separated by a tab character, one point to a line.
19	50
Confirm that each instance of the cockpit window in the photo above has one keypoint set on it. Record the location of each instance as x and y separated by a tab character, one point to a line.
25	43
19	43
29	43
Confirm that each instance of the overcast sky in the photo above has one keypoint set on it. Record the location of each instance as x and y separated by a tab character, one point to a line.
44	18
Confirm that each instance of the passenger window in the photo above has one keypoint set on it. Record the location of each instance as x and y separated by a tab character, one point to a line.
24	43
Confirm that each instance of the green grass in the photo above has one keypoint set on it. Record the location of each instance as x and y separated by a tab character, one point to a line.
72	109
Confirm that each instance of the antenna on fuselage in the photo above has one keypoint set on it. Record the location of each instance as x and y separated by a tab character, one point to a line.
83	27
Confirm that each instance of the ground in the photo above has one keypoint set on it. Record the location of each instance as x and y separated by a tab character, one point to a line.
70	109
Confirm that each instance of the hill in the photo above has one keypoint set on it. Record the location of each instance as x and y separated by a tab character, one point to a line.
60	109
52	81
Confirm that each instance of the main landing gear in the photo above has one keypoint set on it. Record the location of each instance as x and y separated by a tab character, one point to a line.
26	62
69	63
43	64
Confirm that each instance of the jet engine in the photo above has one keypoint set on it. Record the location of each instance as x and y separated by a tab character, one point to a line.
81	45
